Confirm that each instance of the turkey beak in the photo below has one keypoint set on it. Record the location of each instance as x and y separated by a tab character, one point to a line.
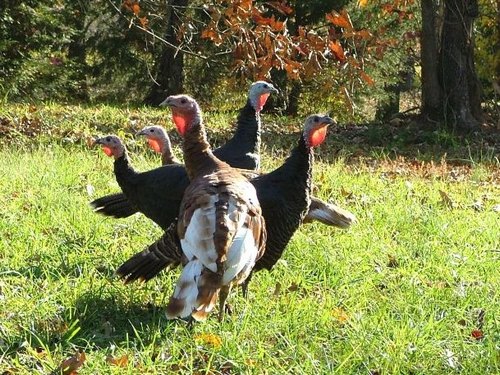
140	132
167	103
274	90
98	141
327	120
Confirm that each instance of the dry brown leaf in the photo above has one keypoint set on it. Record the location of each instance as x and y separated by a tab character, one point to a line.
120	361
70	365
293	287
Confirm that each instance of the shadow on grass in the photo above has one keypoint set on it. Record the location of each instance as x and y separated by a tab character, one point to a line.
107	320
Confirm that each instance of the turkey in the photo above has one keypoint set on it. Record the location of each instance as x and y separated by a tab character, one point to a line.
284	196
220	226
242	151
143	189
159	141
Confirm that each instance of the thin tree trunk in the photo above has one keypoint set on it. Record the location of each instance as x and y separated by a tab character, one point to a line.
457	55
170	68
431	89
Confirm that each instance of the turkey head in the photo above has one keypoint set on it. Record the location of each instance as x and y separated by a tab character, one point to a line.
156	136
111	145
185	112
159	141
315	129
258	94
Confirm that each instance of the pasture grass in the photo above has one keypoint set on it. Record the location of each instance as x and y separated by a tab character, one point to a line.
412	288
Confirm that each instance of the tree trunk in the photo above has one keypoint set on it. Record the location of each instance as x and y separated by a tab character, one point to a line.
460	84
170	68
431	89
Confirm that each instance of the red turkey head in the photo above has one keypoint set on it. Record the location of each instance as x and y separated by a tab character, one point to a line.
156	136
111	145
258	94
315	129
185	111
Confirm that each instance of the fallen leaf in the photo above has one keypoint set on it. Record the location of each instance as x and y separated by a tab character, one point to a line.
477	334
70	365
209	339
293	287
120	362
340	315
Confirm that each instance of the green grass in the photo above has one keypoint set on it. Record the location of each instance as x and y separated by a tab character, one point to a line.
399	293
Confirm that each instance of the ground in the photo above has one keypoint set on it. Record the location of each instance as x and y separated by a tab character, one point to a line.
412	288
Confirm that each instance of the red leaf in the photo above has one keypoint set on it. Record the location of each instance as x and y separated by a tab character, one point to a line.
337	49
341	20
477	334
143	21
366	78
136	8
281	7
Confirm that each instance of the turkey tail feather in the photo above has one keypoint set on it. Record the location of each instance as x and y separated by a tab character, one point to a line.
329	214
115	205
143	266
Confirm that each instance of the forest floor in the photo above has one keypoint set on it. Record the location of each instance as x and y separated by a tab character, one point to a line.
412	288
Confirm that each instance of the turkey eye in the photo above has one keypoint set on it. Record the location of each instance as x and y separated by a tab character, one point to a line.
152	130
183	101
266	86
316	118
108	139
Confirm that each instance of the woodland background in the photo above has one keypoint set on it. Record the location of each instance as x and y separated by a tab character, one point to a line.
354	58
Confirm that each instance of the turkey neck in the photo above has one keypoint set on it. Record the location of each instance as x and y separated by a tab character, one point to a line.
198	157
247	133
298	167
124	172
167	156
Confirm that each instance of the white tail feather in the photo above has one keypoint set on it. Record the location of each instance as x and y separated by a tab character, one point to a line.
187	287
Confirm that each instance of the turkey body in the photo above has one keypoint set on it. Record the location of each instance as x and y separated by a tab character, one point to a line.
220	224
284	197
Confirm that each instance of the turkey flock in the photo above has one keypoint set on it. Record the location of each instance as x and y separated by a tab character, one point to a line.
222	218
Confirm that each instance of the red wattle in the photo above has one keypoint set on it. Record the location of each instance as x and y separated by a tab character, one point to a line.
154	144
262	101
317	136
107	150
180	123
